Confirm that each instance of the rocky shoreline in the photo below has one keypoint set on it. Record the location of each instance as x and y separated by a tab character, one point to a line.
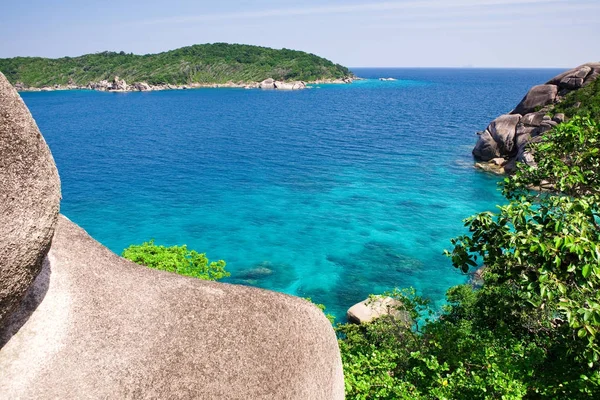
504	142
118	85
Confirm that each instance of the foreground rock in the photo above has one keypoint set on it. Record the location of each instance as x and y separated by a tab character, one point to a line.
98	326
29	198
507	136
93	325
375	307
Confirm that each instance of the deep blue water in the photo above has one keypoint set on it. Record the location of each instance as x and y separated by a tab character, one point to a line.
340	191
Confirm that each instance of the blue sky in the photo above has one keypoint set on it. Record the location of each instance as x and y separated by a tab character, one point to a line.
421	33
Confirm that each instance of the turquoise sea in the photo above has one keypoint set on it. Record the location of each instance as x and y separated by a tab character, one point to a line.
330	193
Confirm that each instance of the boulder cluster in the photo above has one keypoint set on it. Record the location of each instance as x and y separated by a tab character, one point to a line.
504	141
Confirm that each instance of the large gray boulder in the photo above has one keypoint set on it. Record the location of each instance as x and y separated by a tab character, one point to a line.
538	96
577	77
268	83
498	138
104	327
486	147
503	131
29	198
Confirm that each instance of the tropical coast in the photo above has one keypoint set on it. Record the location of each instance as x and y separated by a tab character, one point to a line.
329	223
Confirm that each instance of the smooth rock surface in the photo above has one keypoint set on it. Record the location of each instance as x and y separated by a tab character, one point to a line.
486	147
533	119
267	84
375	307
29	198
538	96
98	326
503	131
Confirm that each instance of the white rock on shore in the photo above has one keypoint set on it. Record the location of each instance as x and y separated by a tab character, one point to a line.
120	85
375	307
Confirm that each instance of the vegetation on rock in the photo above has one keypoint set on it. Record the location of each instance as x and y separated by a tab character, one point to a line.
204	63
176	259
582	102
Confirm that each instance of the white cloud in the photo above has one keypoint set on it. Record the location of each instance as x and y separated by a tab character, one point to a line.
348	9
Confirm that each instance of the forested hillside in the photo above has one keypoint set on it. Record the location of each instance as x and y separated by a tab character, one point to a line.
204	63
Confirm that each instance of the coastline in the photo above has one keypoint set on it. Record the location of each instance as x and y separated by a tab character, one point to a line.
121	86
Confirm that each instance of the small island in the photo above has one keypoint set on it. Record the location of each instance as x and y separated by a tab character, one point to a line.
202	65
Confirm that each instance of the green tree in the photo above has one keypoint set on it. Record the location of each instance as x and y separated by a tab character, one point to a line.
176	259
542	254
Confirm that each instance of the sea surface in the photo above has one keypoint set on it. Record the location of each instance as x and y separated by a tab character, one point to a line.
331	193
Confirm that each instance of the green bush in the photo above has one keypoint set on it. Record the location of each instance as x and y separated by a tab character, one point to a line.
176	259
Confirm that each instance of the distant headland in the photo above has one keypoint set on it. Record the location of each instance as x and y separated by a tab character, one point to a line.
203	65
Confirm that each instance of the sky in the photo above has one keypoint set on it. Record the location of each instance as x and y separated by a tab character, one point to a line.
355	33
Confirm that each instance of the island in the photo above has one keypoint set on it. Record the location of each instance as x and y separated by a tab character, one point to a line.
202	65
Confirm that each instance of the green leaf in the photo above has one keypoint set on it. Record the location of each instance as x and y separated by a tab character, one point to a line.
587	268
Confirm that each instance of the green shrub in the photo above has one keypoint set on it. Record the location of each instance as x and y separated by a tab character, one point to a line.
176	259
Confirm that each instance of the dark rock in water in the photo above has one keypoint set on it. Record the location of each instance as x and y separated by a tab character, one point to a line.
256	273
266	274
29	198
495	166
498	138
501	140
486	147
